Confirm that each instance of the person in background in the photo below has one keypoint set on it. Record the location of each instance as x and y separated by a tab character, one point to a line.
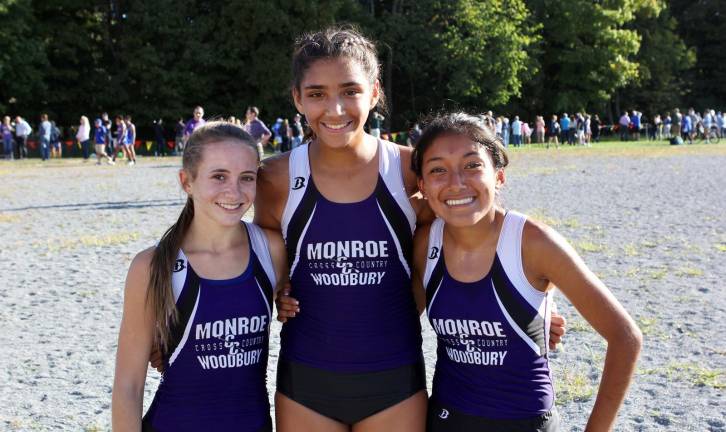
595	126
44	137
256	127
588	129
413	135
624	126
506	131
539	130
83	137
277	131
130	139
517	132
56	149
635	123
159	137
179	136
22	131
667	125
553	132
100	136
6	130
285	136
658	127
376	122
296	131
196	121
120	139
564	128
108	125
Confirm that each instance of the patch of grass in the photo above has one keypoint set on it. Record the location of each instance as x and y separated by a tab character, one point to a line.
721	247
632	272
649	327
571	223
579	325
93	428
540	215
648	244
689	272
574	386
631	249
658	273
695	374
8	218
588	246
116	239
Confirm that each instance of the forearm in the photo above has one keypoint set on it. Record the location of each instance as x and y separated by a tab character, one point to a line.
620	363
126	408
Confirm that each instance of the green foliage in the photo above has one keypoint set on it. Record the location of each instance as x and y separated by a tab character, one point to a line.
22	58
586	51
470	53
663	61
702	25
160	58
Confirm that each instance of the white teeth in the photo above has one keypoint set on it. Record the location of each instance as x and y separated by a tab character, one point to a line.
336	126
459	201
229	206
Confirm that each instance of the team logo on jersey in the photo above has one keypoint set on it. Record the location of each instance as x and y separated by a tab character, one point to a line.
299	183
179	265
444	414
434	253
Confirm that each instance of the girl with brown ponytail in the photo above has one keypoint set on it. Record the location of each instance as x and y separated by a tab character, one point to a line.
203	298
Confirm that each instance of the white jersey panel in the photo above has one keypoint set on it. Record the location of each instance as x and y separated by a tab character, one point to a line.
509	250
299	175
259	244
389	166
433	253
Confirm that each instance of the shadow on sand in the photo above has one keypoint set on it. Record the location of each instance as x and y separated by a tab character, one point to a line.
118	205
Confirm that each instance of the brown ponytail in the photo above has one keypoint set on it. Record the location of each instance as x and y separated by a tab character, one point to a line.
160	295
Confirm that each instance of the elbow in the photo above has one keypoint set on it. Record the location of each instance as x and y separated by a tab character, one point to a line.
631	340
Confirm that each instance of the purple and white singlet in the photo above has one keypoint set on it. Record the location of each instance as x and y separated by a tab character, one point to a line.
350	270
216	370
492	334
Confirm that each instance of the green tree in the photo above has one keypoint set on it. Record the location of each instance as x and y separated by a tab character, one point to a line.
586	52
74	35
463	53
702	25
663	63
22	59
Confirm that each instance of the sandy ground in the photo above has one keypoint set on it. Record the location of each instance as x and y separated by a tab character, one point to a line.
650	222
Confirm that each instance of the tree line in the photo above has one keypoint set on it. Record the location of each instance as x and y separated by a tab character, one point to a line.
160	58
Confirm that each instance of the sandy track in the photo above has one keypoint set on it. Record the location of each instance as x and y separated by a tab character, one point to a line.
649	222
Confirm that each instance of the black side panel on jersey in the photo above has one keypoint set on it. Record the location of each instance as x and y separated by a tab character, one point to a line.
396	218
184	308
435	281
261	276
526	318
299	219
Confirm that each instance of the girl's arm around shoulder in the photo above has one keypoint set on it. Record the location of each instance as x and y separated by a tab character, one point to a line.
424	214
420	253
278	253
287	307
134	346
549	259
272	190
